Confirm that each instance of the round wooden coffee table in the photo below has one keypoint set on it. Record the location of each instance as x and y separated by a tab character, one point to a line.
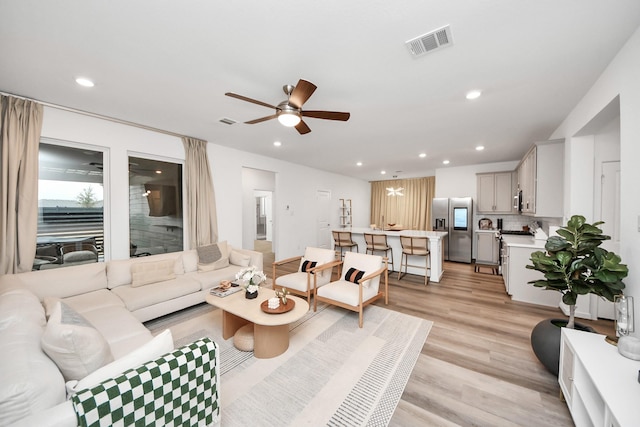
270	331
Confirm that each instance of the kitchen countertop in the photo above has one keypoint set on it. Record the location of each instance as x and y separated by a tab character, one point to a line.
523	241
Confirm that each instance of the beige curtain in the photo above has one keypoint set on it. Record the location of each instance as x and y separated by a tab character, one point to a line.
20	127
412	210
201	201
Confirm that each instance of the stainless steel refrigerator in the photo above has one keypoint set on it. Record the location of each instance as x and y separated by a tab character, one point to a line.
454	216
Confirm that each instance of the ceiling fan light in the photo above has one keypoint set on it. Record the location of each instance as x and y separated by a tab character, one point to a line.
288	119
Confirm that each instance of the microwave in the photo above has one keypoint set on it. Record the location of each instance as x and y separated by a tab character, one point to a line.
517	201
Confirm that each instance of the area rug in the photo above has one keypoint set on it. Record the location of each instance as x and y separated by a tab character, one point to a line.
333	373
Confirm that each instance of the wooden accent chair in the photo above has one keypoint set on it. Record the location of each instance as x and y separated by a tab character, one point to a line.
343	240
314	270
378	243
414	247
358	285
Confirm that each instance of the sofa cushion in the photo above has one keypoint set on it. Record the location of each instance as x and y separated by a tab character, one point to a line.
95	300
190	260
76	347
31	382
213	257
143	296
239	259
61	282
211	279
143	273
119	271
122	330
161	344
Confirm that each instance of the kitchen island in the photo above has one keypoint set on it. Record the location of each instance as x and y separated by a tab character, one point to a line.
393	238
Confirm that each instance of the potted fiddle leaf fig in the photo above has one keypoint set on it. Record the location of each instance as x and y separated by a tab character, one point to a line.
573	264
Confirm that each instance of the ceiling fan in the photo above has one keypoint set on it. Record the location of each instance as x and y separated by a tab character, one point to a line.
289	112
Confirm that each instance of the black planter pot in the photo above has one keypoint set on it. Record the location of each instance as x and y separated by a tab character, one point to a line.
545	341
251	295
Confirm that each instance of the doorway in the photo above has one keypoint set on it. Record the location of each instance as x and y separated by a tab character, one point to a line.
323	209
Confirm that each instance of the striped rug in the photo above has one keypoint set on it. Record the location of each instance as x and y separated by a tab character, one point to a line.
333	373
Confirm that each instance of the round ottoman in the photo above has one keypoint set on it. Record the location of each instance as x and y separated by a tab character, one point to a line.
243	339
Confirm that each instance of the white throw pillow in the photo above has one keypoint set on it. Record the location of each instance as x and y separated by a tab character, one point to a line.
158	346
240	259
76	347
143	273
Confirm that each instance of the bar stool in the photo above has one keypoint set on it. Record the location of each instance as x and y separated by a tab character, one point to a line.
343	240
378	243
414	246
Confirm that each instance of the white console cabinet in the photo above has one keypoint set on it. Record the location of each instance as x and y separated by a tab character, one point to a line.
599	385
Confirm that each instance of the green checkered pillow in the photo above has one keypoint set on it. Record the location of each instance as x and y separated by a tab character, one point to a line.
178	389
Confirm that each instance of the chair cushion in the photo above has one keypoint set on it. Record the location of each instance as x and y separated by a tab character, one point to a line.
297	281
345	292
321	256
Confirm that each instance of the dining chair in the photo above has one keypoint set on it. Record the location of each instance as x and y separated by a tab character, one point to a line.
378	243
343	240
358	285
414	247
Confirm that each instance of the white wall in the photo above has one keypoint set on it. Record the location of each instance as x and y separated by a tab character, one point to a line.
295	185
461	181
620	78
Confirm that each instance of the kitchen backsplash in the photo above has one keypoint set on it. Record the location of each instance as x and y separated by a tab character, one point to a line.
516	222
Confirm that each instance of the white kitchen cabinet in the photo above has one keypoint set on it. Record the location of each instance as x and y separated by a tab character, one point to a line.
541	180
517	254
494	193
487	248
599	385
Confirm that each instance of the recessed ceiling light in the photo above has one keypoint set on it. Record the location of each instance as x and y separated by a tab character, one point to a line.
480	148
383	172
158	172
445	162
277	143
422	155
359	164
474	94
83	81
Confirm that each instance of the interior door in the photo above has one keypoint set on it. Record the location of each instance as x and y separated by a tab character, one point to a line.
323	210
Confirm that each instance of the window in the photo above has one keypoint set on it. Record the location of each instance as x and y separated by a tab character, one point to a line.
70	205
155	207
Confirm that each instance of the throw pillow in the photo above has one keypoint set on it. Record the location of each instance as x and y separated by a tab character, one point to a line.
213	257
143	273
307	265
158	346
74	345
240	259
353	275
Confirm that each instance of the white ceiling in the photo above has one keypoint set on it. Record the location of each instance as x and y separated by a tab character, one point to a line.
167	64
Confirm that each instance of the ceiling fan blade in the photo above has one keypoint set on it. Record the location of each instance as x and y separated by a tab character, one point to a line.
261	119
328	115
254	101
301	93
302	128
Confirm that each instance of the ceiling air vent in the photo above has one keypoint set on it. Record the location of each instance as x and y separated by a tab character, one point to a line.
429	42
227	121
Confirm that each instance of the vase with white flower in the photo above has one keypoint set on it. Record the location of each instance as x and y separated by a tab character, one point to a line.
251	278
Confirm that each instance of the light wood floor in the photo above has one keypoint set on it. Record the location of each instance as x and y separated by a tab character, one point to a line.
477	367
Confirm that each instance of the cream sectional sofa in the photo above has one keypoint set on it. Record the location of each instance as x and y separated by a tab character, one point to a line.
112	300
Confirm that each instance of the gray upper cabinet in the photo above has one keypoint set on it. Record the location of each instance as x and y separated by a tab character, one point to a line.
541	180
494	193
